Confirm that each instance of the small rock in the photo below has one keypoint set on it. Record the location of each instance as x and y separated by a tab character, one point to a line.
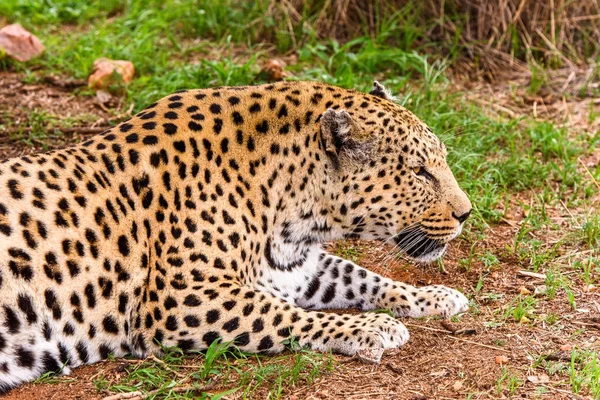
566	347
103	96
457	386
501	360
109	72
19	43
589	288
540	290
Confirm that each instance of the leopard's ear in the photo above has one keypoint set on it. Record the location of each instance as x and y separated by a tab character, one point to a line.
381	91
343	138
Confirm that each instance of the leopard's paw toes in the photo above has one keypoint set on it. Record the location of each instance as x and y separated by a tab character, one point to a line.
451	302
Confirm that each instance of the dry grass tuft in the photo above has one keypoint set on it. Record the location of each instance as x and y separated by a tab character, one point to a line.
496	34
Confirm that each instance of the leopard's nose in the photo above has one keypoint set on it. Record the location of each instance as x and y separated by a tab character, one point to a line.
462	218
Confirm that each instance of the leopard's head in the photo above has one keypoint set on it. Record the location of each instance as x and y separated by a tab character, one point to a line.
393	181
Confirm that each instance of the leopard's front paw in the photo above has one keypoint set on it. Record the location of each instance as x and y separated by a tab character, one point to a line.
428	301
365	335
441	300
378	333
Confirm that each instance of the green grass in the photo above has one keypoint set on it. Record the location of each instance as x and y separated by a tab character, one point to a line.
590	231
508	382
581	370
588	268
41	128
348	250
522	308
224	369
584	372
42	12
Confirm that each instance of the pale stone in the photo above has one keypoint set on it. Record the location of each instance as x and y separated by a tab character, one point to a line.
104	69
19	43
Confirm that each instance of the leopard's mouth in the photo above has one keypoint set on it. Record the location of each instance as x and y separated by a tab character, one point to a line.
417	245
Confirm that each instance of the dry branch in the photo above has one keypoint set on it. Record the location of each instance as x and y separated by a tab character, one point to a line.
137	395
457	338
531	274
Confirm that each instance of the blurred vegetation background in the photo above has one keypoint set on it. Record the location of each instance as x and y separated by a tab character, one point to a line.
481	35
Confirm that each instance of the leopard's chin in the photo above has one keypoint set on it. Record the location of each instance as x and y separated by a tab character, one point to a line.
432	256
420	247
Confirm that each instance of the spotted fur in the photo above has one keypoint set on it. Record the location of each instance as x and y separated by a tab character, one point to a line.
202	218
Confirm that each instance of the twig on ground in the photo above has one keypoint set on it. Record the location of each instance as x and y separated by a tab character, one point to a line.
570	393
139	395
394	368
479	344
65	83
593	325
123	396
509	222
457	330
531	274
570	213
153	358
590	174
418	395
427	328
133	361
457	338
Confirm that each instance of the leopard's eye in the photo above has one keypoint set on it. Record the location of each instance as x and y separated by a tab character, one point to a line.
421	171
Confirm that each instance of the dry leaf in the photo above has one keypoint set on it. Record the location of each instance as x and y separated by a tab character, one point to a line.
538	379
524	291
439	373
589	288
540	289
501	360
524	320
566	347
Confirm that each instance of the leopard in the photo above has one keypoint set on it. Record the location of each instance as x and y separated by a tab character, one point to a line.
204	219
